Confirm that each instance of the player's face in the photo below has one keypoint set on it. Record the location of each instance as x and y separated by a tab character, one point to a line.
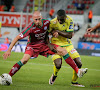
61	19
37	20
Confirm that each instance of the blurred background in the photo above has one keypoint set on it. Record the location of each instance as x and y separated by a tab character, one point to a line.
15	15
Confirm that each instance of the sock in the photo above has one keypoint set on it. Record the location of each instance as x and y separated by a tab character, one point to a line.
74	77
55	70
15	68
71	62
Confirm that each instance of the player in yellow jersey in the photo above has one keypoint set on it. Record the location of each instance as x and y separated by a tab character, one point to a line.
61	28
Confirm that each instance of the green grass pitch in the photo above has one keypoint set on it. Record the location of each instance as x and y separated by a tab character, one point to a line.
36	73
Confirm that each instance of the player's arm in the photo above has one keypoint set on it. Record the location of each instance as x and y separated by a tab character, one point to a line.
63	33
49	44
22	35
93	28
8	52
14	42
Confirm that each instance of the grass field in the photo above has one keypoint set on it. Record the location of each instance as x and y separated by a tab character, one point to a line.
36	73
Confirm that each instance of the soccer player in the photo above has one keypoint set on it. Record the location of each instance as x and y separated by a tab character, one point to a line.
93	28
61	28
36	32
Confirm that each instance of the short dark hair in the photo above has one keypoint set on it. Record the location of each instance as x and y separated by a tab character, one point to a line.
61	12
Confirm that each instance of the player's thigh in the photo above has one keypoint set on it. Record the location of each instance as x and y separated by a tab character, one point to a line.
74	55
28	53
72	52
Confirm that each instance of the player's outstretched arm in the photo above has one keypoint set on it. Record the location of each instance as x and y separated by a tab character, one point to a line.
93	28
90	30
8	52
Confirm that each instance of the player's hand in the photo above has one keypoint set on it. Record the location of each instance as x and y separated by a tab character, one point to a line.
6	54
52	47
89	30
55	34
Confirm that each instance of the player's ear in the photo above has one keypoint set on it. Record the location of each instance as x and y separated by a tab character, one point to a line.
65	16
41	17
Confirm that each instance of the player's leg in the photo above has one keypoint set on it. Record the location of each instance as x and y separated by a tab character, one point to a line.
76	57
63	52
28	53
19	64
67	58
57	60
75	77
71	62
57	65
79	64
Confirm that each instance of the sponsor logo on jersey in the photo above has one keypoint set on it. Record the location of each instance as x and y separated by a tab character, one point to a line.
73	51
21	35
37	31
71	27
33	27
41	34
46	22
45	28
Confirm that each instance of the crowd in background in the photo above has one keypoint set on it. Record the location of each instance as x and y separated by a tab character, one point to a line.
7	5
79	5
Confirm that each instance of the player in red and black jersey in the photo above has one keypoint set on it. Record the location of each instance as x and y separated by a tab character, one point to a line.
36	32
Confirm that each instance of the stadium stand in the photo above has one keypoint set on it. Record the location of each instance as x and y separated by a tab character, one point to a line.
39	5
9	32
78	6
19	5
5	5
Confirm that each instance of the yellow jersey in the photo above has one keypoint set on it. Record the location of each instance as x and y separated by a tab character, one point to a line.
67	26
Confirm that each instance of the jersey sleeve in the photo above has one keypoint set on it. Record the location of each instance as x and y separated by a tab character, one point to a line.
70	25
25	32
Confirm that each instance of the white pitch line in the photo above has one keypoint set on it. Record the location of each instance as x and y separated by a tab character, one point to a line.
44	64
